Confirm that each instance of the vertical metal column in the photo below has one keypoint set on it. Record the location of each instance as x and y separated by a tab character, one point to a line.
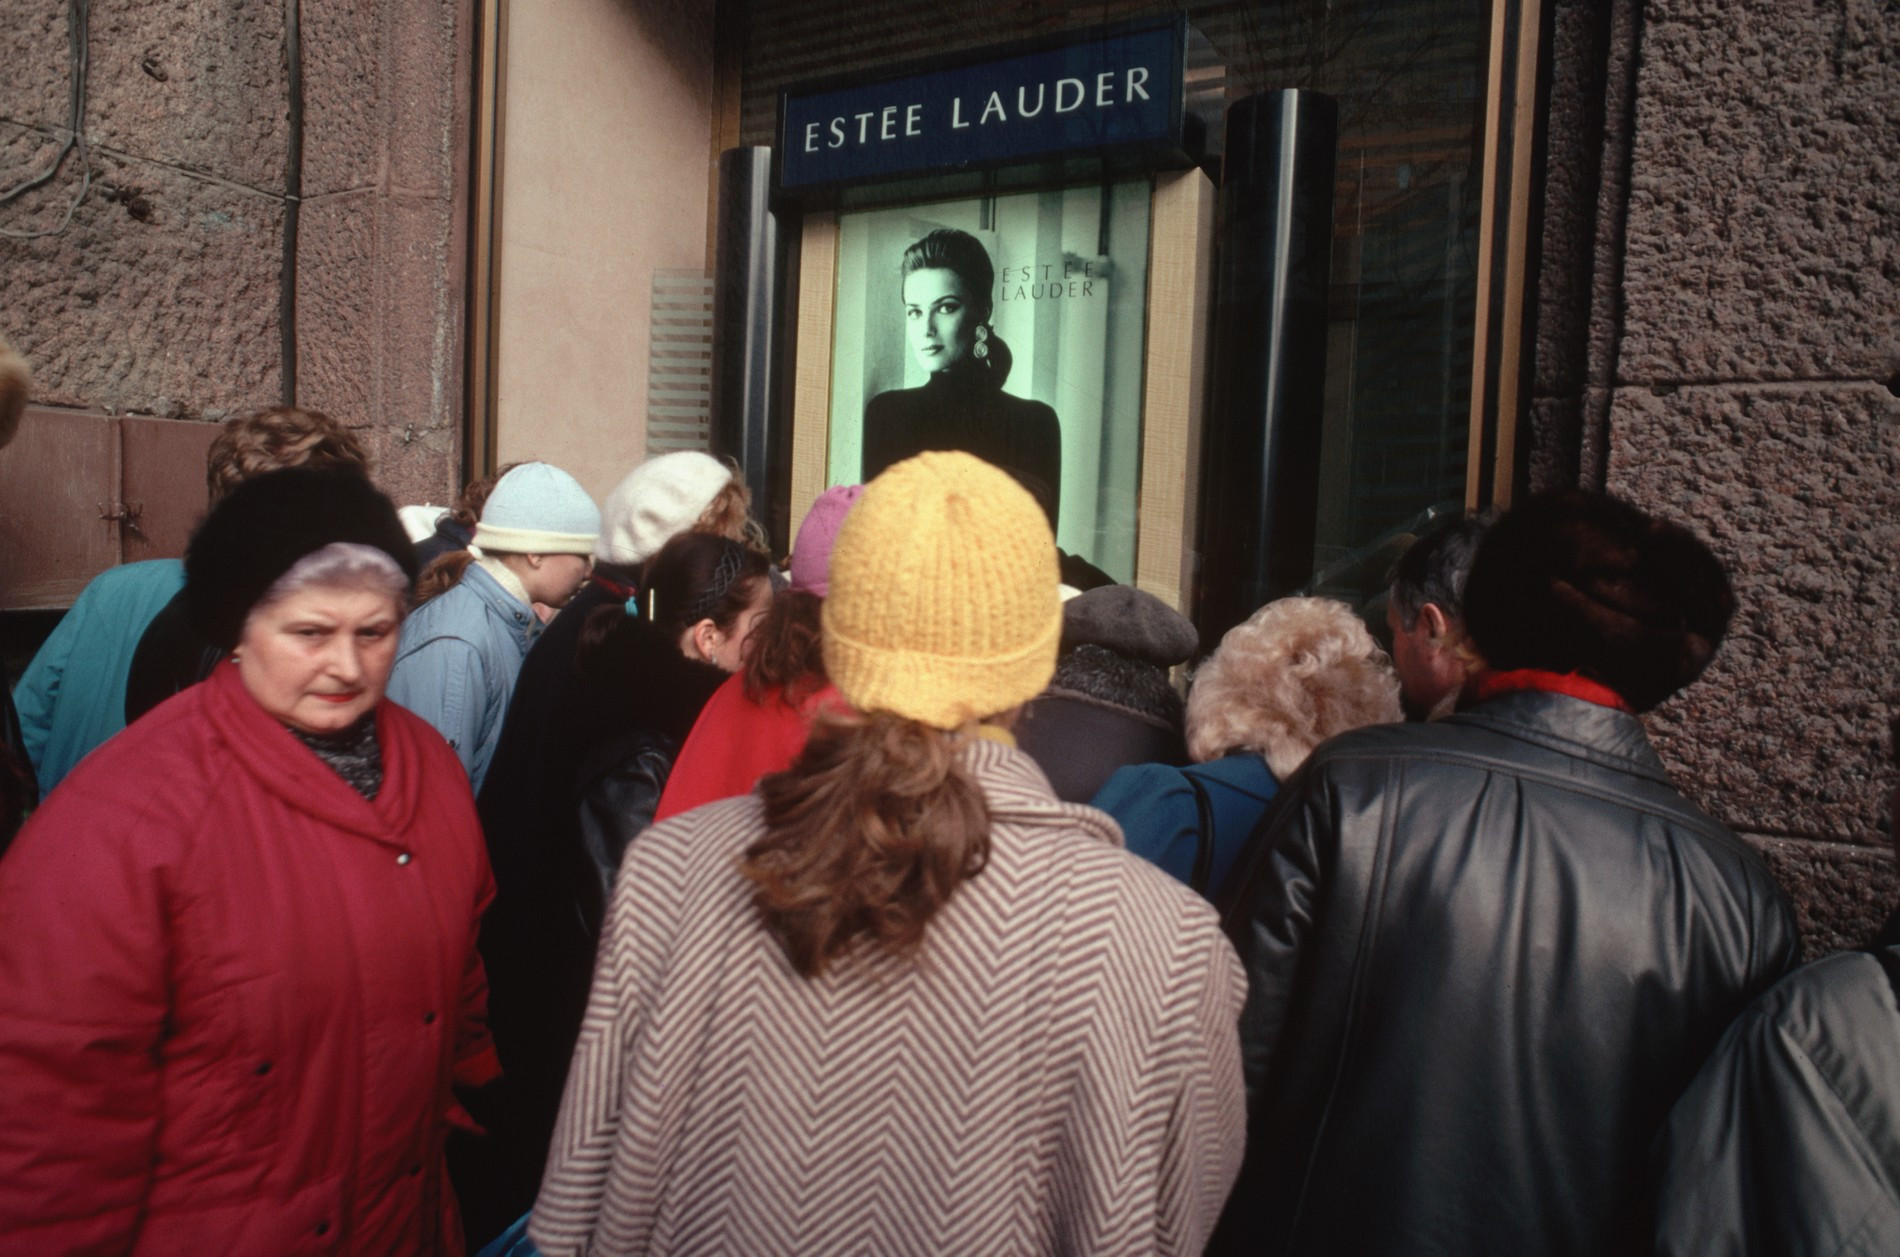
1260	477
749	258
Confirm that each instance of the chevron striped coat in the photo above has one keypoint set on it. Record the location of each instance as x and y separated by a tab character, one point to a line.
1056	1072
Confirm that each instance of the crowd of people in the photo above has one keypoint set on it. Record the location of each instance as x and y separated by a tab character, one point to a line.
606	885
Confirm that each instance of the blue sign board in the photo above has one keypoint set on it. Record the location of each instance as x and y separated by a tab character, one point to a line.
1107	91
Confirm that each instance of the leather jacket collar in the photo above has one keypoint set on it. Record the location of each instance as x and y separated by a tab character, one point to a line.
1570	726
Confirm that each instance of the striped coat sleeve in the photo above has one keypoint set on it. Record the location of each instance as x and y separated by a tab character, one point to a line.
1206	1132
627	974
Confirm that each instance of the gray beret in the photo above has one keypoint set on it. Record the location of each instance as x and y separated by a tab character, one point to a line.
1129	622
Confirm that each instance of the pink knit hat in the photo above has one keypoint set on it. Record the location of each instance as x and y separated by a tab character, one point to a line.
811	551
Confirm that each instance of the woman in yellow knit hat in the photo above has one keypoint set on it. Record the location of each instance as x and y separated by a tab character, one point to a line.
903	1000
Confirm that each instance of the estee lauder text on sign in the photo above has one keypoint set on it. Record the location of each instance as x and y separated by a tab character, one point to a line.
899	122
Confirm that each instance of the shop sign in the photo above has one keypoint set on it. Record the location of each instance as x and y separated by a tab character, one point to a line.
1116	91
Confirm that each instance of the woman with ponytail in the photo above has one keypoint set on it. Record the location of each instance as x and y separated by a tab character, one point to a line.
758	721
903	999
704	595
948	287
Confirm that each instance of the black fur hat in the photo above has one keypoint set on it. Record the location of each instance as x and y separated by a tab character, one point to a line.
262	527
1569	581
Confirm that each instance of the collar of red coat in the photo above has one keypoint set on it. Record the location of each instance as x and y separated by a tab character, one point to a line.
1497	684
287	768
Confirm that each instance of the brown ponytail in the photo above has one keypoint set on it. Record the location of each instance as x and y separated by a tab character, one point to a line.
867	835
785	651
440	576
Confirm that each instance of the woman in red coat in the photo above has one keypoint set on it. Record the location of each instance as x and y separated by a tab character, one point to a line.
238	969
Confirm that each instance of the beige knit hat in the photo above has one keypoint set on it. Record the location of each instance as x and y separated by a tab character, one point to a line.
656	501
942	605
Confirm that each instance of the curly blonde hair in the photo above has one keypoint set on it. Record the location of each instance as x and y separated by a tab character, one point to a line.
1297	672
729	515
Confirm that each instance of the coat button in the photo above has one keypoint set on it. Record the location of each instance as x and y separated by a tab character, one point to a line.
263	1067
428	1019
404	858
323	1227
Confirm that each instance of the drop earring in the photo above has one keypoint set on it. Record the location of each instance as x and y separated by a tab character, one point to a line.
982	349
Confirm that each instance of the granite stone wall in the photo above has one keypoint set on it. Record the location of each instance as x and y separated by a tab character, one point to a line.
1718	341
165	295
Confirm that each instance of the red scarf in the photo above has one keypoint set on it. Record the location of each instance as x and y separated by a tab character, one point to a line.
618	589
1495	684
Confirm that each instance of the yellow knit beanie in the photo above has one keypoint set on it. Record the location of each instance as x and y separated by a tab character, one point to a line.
943	605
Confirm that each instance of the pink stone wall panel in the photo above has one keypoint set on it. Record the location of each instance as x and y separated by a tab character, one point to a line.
199	84
339	351
422	315
414	466
1767	183
1798	490
380	301
33	86
343	96
424	88
1842	895
161	298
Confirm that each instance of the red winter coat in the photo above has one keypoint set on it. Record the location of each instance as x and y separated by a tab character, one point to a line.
736	741
233	993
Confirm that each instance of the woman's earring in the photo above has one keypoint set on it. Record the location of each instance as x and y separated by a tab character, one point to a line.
982	349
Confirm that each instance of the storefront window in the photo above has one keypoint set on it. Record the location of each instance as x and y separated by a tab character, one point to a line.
1408	76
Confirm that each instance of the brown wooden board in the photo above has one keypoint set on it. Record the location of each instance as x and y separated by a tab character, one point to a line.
57	479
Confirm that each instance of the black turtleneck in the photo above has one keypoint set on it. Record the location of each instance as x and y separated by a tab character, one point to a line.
963	409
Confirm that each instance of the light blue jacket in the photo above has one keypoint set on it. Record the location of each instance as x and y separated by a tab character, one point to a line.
72	696
457	661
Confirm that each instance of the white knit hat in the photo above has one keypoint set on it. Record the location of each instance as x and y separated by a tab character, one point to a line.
657	501
538	509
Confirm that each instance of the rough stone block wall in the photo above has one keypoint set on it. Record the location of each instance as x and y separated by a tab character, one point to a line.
163	296
1740	373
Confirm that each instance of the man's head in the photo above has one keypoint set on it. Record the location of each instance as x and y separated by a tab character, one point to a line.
283	436
1425	611
1576	582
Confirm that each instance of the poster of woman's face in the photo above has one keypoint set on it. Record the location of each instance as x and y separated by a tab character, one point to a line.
1011	327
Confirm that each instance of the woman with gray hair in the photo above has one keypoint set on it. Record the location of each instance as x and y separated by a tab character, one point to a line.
239	969
1297	672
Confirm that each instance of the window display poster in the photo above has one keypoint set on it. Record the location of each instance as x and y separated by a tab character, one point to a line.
1012	327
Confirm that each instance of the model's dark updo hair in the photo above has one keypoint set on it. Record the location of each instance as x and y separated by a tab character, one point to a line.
948	249
1571	581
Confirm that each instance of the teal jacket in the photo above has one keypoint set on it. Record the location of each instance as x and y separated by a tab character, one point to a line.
457	662
72	696
1161	818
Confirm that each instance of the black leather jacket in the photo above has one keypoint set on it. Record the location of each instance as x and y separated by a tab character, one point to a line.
1484	957
620	787
1788	1141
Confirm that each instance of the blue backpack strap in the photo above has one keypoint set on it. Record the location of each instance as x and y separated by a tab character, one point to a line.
1204	840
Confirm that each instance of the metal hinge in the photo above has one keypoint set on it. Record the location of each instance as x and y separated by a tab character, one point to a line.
124	514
